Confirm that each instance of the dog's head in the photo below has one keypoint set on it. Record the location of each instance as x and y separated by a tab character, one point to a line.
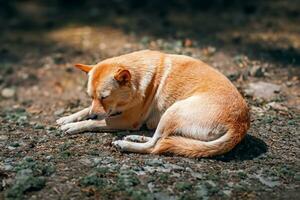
110	87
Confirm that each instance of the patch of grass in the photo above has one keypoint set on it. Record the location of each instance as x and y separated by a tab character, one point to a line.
242	175
292	122
64	146
183	186
127	179
268	119
163	178
93	180
18	116
139	194
38	168
65	154
25	181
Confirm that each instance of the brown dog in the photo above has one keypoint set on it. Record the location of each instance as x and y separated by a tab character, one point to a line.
195	110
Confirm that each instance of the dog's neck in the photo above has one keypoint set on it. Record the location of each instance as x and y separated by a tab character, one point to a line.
150	82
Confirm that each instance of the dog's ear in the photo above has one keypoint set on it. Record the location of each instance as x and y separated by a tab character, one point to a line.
85	68
123	76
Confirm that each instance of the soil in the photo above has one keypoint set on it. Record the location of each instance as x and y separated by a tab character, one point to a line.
250	43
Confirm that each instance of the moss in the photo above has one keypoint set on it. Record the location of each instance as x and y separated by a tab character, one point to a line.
139	194
38	168
14	144
182	186
25	181
93	180
242	175
163	178
127	179
65	154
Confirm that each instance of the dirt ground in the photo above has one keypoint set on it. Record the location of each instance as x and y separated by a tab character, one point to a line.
255	44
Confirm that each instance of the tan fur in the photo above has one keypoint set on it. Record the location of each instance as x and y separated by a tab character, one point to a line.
197	112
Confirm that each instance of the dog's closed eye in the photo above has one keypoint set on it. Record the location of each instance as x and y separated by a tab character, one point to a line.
104	97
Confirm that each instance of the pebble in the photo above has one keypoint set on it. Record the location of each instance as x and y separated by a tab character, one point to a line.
154	162
8	92
277	106
8	167
263	90
173	167
3	137
227	193
49	157
59	112
86	162
257	71
297	176
268	181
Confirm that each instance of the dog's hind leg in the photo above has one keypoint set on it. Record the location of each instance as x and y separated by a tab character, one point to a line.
164	127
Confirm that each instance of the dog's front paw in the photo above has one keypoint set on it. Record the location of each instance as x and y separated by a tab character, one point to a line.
65	120
70	128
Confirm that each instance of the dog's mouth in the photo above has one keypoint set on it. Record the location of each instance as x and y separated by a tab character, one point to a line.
114	114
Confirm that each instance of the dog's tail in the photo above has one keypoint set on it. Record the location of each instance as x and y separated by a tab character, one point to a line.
195	148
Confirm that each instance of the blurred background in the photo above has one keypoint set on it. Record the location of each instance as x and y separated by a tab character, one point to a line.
263	29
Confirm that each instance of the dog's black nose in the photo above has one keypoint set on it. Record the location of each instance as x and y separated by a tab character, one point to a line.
93	116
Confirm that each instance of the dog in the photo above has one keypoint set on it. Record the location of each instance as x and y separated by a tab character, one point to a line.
194	109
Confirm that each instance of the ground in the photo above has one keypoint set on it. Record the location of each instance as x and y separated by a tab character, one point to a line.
257	46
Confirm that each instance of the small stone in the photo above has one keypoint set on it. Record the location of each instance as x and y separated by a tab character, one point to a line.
289	84
257	71
8	92
277	106
154	162
268	181
49	157
262	90
3	137
38	126
211	183
97	160
173	167
11	148
188	42
297	176
227	193
86	162
197	175
8	167
59	112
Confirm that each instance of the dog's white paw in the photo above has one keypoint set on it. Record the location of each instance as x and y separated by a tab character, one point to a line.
136	138
70	128
65	120
119	144
77	127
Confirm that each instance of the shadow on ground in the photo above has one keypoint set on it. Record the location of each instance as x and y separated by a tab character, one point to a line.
250	147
